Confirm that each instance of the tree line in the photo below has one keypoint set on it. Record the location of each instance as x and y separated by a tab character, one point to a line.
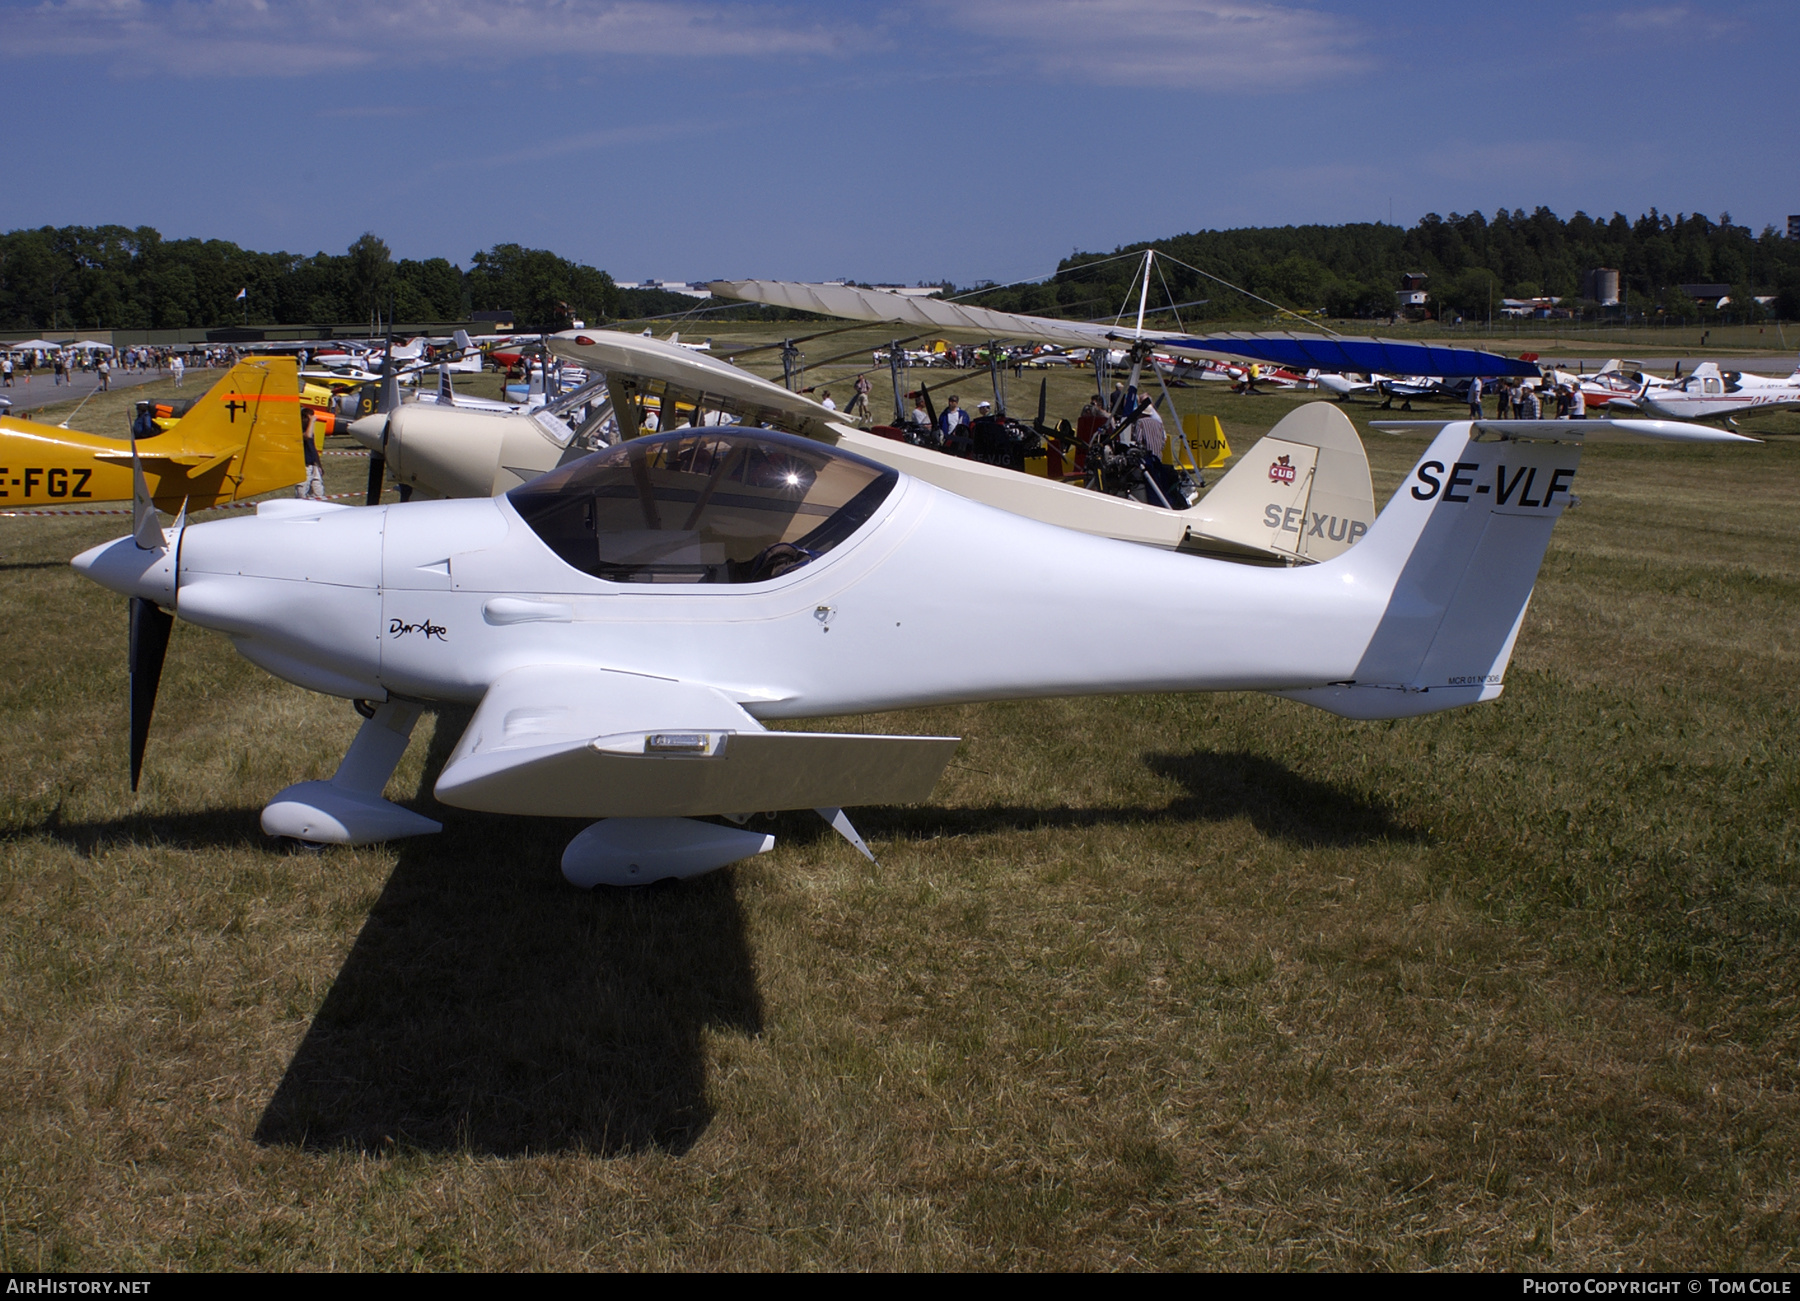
112	277
1472	262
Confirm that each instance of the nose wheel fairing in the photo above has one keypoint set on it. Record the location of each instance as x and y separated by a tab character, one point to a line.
349	808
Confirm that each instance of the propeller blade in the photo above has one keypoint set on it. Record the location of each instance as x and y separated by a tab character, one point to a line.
146	527
377	477
150	626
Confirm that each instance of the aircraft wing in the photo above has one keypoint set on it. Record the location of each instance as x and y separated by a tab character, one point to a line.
575	741
722	386
1587	431
1301	351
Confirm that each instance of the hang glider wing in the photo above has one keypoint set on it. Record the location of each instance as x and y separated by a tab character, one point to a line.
1301	351
854	304
1360	356
572	741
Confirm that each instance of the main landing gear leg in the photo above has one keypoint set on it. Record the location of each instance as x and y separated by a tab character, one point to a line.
349	809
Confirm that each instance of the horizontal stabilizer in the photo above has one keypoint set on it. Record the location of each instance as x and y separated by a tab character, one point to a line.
190	461
1579	431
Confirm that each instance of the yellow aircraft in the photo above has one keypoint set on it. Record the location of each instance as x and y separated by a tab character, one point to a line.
241	439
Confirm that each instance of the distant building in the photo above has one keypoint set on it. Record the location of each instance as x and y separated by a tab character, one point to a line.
1794	225
1601	285
1412	291
500	320
1537	308
1700	293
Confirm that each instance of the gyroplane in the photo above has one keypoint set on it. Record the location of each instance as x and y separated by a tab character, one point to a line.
629	625
241	439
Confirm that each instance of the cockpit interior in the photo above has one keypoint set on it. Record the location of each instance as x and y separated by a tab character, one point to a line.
715	505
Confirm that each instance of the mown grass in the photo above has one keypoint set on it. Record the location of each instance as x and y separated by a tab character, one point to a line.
1211	981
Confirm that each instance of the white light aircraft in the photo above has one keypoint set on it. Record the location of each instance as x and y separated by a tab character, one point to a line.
1708	391
628	625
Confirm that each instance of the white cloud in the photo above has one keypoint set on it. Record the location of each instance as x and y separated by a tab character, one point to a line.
257	38
1230	45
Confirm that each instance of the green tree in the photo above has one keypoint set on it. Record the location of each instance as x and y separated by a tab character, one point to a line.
370	273
542	289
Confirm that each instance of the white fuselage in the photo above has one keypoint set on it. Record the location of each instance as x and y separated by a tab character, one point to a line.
1712	392
938	600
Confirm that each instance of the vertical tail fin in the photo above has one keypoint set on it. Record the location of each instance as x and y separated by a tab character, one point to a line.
1300	493
250	421
1458	550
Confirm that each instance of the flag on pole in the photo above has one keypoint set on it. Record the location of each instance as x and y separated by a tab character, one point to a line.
240	295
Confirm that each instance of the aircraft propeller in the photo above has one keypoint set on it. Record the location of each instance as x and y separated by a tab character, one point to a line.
387	397
150	627
150	624
378	467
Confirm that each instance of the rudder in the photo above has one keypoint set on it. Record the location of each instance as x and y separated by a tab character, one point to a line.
1458	549
252	418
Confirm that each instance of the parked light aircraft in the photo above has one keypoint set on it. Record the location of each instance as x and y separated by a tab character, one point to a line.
1708	391
242	438
628	624
1303	494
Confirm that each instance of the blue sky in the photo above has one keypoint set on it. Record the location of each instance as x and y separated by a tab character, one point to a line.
901	141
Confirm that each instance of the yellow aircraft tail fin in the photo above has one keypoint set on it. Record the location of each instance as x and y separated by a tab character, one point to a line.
1207	437
248	425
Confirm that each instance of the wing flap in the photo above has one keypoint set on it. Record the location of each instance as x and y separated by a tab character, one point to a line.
682	774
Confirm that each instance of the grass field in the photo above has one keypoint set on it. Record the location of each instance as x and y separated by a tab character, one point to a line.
1203	982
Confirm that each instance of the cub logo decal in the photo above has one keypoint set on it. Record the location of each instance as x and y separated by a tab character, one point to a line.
1281	471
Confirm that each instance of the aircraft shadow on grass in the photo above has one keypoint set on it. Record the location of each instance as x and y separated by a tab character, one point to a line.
487	1007
1279	802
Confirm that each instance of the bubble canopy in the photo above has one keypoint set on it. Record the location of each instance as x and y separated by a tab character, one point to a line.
718	505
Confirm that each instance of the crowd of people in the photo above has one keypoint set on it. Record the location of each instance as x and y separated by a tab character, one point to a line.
1516	400
63	364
